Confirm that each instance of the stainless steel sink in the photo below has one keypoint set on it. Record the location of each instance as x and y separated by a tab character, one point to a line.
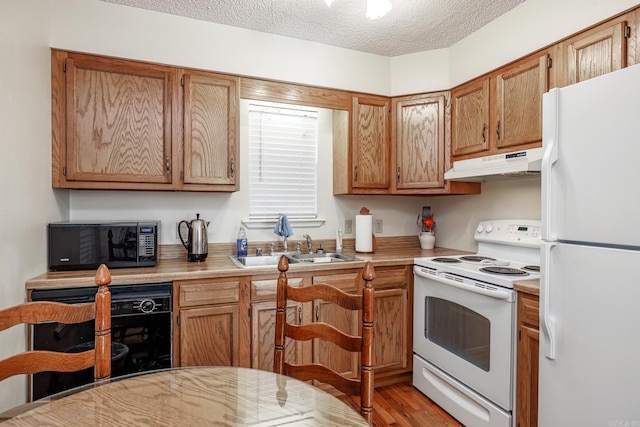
272	260
323	257
259	261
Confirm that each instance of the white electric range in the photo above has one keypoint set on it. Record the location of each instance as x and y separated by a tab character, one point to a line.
464	322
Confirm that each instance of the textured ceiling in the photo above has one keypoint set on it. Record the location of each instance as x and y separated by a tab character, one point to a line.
411	26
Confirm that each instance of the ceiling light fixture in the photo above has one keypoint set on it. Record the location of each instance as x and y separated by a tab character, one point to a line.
377	8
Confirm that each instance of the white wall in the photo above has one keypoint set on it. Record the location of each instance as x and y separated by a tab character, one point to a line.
457	216
28	203
111	29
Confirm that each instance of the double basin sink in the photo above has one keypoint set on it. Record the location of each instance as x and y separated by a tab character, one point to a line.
294	258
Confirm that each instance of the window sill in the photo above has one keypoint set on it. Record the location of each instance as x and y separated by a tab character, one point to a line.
271	223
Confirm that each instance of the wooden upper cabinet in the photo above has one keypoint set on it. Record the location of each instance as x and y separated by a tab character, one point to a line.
419	125
210	120
370	143
470	132
112	121
595	52
518	106
500	112
119	124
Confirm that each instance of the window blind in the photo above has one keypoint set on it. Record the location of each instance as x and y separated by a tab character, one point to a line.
282	161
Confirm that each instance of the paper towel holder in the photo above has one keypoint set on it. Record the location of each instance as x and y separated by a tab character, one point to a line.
365	211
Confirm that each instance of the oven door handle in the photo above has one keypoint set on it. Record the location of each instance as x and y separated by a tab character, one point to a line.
503	294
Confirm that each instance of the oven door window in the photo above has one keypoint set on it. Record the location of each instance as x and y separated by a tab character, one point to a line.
459	330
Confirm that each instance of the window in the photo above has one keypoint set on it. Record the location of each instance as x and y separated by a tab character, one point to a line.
283	163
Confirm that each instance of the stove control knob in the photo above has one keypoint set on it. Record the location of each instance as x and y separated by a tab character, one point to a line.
489	228
147	305
480	228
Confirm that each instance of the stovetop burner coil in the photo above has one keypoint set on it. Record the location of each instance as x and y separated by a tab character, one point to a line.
535	268
504	270
476	258
446	260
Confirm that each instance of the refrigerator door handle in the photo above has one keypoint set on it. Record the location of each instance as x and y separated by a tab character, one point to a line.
550	156
547	322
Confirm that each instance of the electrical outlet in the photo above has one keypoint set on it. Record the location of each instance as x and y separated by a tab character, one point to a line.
378	226
348	226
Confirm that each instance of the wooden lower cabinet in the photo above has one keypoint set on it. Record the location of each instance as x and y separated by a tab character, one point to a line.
231	322
393	324
209	336
527	360
263	330
207	322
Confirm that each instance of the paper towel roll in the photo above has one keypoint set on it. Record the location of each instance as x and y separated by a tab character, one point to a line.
364	233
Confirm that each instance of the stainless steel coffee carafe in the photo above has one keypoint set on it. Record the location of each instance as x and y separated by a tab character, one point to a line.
197	245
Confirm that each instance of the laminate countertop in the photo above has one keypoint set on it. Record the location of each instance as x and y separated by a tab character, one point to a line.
528	286
219	265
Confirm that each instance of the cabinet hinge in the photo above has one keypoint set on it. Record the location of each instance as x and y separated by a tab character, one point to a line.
182	81
64	171
64	67
178	320
627	32
549	62
249	312
182	175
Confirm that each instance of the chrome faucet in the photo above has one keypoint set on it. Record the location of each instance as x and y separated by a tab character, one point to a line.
309	248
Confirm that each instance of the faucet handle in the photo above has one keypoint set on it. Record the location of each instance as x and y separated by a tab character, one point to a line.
272	248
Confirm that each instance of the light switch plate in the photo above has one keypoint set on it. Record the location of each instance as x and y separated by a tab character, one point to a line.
348	226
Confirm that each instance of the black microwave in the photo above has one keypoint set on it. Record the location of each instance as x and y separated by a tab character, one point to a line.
84	245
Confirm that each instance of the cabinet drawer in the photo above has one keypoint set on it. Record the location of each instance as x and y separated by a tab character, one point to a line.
267	288
528	308
345	282
390	278
207	292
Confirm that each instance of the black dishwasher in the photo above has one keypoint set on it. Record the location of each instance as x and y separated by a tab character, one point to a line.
141	322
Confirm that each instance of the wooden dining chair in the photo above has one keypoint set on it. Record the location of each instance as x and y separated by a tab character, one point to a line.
362	385
31	362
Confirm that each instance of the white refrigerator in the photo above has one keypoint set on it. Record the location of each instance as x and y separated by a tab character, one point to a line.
589	362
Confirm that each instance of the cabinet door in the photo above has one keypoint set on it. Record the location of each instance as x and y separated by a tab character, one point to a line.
263	330
470	118
596	52
211	146
118	121
347	321
390	329
519	90
370	152
420	142
527	361
209	336
329	354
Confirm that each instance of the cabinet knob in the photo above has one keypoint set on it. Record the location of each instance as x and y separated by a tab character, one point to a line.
484	132
498	130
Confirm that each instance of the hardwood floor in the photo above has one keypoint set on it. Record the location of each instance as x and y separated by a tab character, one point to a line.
403	405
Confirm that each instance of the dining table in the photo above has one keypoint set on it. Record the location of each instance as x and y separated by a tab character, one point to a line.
190	396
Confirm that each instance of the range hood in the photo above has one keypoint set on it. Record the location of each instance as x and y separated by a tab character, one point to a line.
514	164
